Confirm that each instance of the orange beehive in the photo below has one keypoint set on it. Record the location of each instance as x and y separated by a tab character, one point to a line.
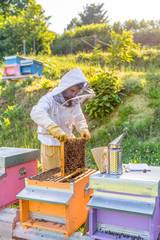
56	203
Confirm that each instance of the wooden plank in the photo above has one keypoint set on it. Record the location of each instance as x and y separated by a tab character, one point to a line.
42	234
20	77
49	184
45	225
71	175
24	210
62	160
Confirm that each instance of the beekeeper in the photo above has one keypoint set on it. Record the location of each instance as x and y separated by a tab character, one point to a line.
57	111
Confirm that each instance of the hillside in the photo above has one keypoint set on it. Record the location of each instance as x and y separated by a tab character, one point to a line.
138	113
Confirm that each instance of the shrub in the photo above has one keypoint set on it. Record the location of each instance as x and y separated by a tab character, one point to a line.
45	83
106	86
134	85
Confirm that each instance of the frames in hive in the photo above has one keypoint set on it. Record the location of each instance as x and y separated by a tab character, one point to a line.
72	155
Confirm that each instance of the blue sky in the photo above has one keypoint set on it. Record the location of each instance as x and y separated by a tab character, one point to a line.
62	11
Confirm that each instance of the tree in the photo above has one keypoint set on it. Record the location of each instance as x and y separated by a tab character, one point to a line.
131	25
117	27
92	14
28	24
74	23
121	48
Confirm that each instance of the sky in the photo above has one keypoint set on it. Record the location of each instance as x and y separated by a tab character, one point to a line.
62	11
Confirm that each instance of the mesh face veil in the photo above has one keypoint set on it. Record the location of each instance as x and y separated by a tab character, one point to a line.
83	93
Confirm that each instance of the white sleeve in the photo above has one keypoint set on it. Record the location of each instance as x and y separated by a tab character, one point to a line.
80	121
39	113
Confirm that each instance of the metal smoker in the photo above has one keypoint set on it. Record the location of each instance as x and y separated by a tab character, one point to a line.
109	158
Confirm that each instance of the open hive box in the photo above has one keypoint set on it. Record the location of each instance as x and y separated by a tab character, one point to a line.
56	199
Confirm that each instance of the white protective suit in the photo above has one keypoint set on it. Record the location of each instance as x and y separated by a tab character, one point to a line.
48	113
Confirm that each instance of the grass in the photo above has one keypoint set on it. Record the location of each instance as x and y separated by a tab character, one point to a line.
139	112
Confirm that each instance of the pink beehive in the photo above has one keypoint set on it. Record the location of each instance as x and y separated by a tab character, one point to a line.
16	164
12	69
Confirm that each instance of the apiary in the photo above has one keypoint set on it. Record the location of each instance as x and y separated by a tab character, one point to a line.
56	199
126	199
15	165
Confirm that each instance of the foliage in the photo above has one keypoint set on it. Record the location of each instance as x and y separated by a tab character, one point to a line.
121	48
134	85
12	7
97	56
142	142
144	32
29	24
73	24
149	37
46	83
91	14
62	44
106	86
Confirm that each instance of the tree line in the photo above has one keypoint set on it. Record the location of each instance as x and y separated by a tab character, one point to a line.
26	20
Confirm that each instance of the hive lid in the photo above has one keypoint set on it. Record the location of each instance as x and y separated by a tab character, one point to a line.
14	156
29	62
13	57
133	182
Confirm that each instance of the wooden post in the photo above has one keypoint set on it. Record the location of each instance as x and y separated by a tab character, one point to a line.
95	40
34	45
71	46
24	47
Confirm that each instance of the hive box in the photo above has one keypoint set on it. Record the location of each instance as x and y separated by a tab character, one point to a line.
125	206
12	70
13	59
15	165
55	203
31	66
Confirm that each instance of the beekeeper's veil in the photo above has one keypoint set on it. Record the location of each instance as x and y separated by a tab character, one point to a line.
72	78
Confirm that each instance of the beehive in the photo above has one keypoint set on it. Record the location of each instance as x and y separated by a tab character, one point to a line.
31	66
56	199
50	201
12	69
15	165
125	206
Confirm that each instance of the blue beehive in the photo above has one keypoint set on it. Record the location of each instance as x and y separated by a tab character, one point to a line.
13	59
31	66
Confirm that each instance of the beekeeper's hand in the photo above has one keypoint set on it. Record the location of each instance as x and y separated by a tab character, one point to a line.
58	133
86	134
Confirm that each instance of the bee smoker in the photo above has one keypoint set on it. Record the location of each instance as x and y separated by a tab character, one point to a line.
109	158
